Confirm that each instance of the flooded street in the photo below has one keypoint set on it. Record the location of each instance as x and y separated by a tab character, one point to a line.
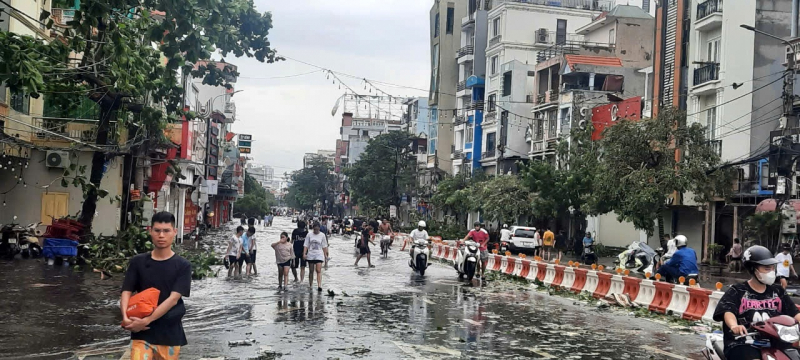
384	312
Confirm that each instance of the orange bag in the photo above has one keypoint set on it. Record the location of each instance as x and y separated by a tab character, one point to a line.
143	303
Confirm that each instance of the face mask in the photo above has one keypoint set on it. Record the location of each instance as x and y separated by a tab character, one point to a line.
766	278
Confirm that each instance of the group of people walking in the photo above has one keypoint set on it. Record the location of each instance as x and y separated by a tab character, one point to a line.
265	221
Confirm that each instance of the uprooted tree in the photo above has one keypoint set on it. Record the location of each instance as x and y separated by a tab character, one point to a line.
125	55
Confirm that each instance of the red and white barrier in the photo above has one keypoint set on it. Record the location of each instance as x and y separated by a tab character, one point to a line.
713	300
517	267
525	269
569	278
662	298
679	301
617	285
591	281
550	274
647	291
581	277
533	270
490	262
603	285
504	265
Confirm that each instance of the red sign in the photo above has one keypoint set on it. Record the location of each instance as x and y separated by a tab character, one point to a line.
607	115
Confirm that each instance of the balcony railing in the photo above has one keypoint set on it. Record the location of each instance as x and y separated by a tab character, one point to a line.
495	40
490	116
716	145
476	105
64	129
462	85
459	120
464	51
548	97
458	154
599	5
574	47
709	7
488	155
706	73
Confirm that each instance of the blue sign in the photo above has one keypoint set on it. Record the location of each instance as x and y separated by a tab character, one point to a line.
475	81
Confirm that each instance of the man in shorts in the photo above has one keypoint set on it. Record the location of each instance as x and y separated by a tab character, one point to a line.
363	246
159	335
548	241
251	250
482	238
298	238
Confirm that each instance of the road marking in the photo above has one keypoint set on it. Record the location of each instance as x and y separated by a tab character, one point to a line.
428	301
662	352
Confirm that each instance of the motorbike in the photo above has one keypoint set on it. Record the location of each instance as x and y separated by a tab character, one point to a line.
16	239
467	259
348	230
638	258
589	257
774	337
335	228
385	241
419	256
503	247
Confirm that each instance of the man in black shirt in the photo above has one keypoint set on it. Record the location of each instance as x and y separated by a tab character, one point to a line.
298	239
159	335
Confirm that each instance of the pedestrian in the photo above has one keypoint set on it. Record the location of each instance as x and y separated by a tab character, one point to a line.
251	251
785	266
270	219
548	241
234	252
266	220
243	220
735	257
561	244
298	239
363	248
315	251
505	236
537	243
245	252
284	253
157	336
330	225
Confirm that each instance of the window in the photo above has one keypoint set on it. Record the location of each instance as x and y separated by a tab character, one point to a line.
21	102
561	31
435	70
365	133
496	26
711	122
507	84
612	38
494	65
491	103
450	19
712	51
436	26
470	130
490	144
432	147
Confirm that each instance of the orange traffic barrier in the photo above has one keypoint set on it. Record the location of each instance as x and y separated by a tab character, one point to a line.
440	251
698	303
603	284
447	252
631	287
662	298
497	260
580	280
559	275
509	266
542	271
526	268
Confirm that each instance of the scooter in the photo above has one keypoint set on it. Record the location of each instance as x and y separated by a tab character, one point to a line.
774	337
467	259
16	239
589	257
638	258
348	229
335	228
419	256
385	241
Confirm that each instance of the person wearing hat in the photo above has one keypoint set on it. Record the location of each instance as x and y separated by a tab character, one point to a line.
750	302
682	263
785	266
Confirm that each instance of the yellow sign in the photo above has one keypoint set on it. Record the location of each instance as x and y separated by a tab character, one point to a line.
245	150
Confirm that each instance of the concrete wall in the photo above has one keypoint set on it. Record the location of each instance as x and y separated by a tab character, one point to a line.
26	202
610	232
635	42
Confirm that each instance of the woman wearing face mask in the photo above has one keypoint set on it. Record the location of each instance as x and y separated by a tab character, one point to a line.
755	300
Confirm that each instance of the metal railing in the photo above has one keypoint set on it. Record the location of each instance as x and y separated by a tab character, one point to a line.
530	99
459	120
716	145
707	8
476	105
488	155
495	40
490	116
59	129
599	5
462	85
572	47
706	73
464	51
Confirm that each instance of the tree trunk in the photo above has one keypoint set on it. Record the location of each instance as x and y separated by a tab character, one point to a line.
660	221
107	112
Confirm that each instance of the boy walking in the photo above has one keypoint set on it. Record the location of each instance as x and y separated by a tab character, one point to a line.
159	335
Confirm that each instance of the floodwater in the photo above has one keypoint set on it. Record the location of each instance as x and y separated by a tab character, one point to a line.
385	312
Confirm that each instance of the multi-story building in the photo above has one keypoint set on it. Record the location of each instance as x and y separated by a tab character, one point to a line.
573	77
471	59
329	155
513	48
416	119
445	43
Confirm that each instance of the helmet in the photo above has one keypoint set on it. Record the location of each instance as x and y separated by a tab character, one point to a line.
786	246
680	241
421	223
757	255
505	226
477	223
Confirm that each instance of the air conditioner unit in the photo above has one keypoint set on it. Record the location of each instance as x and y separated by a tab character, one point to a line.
57	159
541	36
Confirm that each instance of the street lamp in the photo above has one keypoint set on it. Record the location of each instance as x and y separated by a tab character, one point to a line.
753	29
211	106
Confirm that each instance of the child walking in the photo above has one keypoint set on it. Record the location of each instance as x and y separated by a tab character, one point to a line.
284	253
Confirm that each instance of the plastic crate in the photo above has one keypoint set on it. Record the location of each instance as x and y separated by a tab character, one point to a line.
59	248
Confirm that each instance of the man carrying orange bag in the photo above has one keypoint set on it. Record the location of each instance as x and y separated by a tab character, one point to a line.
158	335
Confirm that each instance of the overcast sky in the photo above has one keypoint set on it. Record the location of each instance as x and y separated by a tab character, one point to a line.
385	40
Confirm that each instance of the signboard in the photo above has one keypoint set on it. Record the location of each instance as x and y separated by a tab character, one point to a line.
245	137
245	150
244	143
212	186
393	211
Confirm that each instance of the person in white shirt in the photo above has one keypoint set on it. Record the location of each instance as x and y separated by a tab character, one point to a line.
234	252
785	267
505	233
315	251
537	242
418	234
251	236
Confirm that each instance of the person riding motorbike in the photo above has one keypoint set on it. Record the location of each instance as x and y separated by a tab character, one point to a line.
750	302
418	234
385	228
481	237
682	263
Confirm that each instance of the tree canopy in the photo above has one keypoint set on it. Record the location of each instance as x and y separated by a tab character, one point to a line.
385	170
311	184
257	201
502	198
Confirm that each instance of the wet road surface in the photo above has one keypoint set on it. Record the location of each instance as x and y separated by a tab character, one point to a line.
384	312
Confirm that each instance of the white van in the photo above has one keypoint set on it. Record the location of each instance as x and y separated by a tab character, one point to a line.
522	238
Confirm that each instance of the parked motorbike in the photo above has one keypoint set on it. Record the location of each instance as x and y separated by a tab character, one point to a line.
419	256
467	259
638	258
774	337
385	241
589	257
16	239
335	228
503	247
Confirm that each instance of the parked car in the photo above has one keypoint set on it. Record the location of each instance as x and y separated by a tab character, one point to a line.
521	239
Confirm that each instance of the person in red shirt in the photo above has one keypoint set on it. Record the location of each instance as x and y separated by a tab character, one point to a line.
481	237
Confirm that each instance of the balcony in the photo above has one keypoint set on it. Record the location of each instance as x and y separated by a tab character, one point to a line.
706	73
461	86
464	51
716	145
458	155
62	16
368	125
468	20
476	105
495	40
486	155
490	116
709	15
597	5
575	46
65	130
549	97
459	119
